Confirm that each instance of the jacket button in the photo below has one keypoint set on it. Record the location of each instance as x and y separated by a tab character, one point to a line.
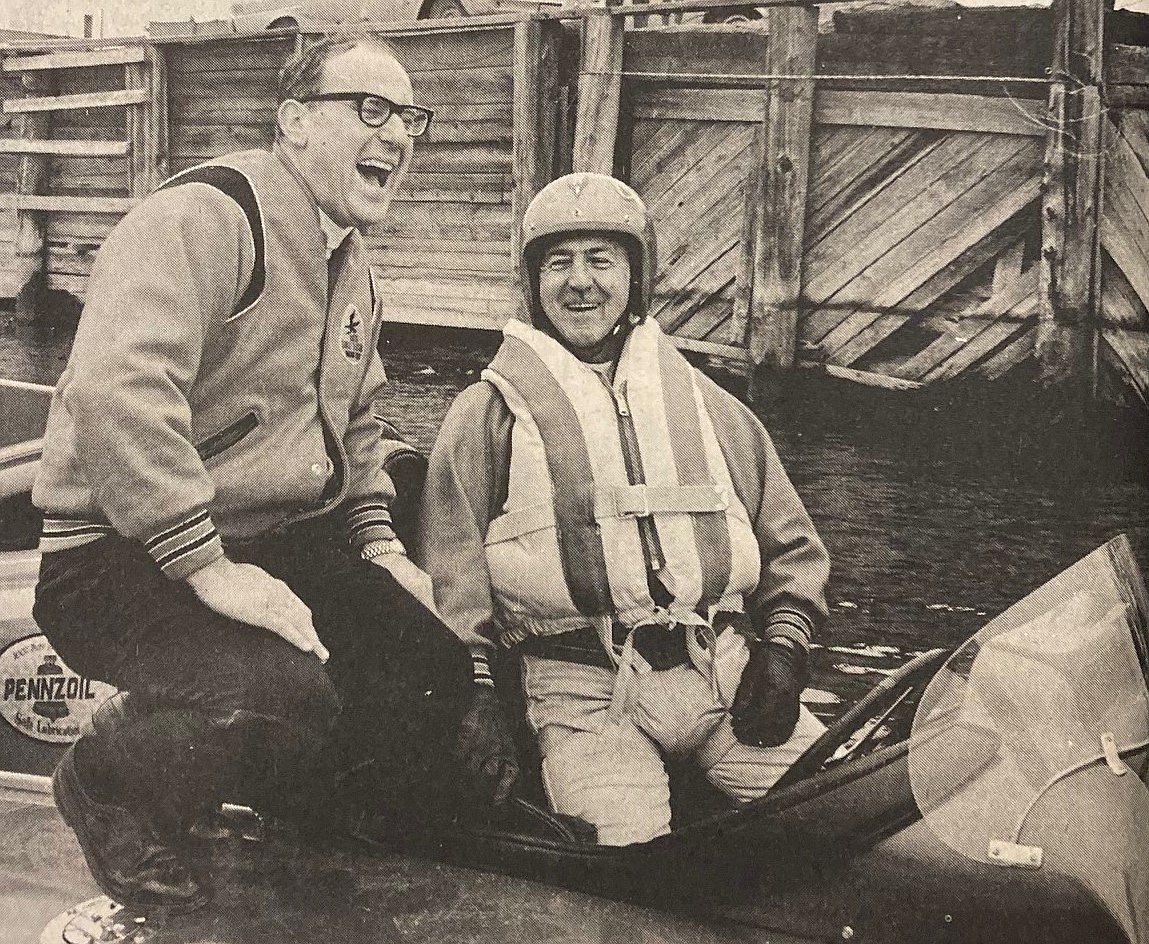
318	468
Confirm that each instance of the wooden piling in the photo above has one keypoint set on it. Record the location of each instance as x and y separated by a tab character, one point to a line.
776	276
599	93
1065	338
30	244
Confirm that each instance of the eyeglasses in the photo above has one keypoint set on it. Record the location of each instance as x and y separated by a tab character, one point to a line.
375	110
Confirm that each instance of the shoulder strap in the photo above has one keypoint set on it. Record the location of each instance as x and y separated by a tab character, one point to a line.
234	184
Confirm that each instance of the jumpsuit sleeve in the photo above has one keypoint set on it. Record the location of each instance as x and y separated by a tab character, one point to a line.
455	516
156	292
790	600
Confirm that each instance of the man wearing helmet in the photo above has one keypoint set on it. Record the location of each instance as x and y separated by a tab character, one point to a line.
600	509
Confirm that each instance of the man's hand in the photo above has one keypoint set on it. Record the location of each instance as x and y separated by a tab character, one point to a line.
410	578
249	594
766	704
486	749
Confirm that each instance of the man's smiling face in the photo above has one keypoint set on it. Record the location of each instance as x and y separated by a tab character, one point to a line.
352	169
584	287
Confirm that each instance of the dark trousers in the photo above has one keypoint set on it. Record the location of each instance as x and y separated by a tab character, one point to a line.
225	711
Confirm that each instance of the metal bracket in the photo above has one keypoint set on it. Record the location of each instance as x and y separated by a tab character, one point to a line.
1017	856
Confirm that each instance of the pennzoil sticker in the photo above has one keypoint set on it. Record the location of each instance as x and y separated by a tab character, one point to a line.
41	697
351	334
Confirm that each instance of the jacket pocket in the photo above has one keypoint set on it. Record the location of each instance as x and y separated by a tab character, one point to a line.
228	436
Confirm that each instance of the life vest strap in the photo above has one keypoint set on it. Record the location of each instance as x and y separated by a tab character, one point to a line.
640	501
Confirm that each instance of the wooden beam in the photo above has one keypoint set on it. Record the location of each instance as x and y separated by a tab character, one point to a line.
777	281
1071	187
29	243
139	177
66	204
19	106
944	112
64	148
599	93
863	377
157	117
75	60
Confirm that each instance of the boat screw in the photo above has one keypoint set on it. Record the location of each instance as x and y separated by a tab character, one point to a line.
847	933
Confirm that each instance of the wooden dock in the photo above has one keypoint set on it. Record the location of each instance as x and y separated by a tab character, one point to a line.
901	197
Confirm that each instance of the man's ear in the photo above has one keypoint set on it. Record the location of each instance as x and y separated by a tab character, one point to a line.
292	118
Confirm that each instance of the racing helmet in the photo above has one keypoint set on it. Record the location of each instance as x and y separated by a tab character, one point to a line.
590	203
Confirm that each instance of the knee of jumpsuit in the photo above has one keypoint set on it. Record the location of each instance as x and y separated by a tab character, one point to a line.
615	780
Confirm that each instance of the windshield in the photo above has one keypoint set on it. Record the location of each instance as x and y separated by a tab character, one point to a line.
1052	687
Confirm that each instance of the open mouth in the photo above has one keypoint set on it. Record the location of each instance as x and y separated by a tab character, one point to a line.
374	171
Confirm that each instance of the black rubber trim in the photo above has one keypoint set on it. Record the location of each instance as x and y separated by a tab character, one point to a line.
228	436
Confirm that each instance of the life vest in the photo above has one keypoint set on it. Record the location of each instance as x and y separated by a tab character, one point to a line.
589	462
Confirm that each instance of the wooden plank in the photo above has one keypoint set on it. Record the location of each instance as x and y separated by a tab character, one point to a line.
62	148
993	336
72	284
1127	65
599	93
943	112
67	204
885	169
1001	362
73	60
655	147
484	221
664	104
526	125
1125	214
710	347
406	312
865	378
139	182
21	106
80	227
158	120
904	202
1132	352
672	197
1120	305
752	201
495	264
969	219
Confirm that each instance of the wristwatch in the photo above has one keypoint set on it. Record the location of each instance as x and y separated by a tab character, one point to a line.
373	549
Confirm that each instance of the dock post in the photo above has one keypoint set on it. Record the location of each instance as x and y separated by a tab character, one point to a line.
31	243
156	117
1071	186
775	276
599	92
534	122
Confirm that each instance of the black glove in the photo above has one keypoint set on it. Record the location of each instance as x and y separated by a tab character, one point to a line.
485	747
766	704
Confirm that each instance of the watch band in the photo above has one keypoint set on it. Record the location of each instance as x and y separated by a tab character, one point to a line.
373	549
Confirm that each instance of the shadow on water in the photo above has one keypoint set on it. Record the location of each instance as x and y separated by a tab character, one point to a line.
940	507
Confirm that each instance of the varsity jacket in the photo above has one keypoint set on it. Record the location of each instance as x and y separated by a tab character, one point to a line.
715	495
213	389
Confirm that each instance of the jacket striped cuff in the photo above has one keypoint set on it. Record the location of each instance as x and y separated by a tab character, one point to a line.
58	534
791	625
482	662
368	521
186	547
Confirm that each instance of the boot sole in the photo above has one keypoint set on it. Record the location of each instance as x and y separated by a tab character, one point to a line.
140	902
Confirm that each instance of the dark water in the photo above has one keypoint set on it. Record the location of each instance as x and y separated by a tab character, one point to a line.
939	513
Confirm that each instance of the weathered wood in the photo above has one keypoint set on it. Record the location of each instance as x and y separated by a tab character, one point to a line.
777	285
1121	307
64	148
72	60
139	177
865	378
899	207
733	352
998	364
526	124
159	118
947	112
599	93
1127	65
1125	213
1069	206
67	204
133	96
976	213
751	204
1131	349
29	248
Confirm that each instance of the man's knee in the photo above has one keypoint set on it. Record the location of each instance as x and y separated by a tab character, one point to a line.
297	691
616	781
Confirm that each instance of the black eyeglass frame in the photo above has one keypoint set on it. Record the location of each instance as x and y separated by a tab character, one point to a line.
406	113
